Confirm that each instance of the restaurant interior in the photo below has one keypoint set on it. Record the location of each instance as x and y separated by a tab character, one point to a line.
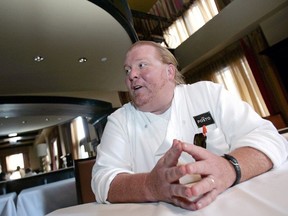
62	75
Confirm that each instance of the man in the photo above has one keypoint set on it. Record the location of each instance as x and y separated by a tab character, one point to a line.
147	152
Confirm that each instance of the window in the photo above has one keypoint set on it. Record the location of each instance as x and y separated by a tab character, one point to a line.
13	161
56	155
199	13
80	136
230	68
80	128
239	80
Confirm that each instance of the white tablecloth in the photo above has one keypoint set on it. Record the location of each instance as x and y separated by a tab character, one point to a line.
285	135
40	200
7	204
264	195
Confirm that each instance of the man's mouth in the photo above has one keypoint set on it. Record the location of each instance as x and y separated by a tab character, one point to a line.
137	87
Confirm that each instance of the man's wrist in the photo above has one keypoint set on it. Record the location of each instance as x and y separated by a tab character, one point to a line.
236	167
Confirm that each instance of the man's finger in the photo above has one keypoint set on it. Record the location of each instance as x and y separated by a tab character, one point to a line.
198	153
172	155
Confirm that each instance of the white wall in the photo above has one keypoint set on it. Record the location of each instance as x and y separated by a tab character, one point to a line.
275	28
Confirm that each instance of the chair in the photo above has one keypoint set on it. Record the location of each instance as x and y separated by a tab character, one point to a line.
277	120
83	175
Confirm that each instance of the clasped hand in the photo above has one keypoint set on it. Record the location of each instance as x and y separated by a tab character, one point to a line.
163	181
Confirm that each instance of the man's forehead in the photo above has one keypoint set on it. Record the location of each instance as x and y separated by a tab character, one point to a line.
142	46
141	52
138	49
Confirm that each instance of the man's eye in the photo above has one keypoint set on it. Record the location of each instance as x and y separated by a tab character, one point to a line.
127	70
141	65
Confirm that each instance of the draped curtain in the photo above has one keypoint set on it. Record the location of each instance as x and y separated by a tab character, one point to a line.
230	68
266	72
74	138
199	13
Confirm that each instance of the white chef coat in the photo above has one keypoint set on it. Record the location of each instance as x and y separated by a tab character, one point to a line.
133	141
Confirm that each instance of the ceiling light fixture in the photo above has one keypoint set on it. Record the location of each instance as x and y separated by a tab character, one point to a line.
104	59
82	60
38	59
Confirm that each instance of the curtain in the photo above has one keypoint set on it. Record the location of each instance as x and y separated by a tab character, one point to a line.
199	13
254	44
74	138
230	68
170	9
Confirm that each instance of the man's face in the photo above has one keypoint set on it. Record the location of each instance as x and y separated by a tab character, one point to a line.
147	78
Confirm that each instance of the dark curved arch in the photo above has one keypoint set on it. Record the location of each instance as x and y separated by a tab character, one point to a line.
35	105
123	16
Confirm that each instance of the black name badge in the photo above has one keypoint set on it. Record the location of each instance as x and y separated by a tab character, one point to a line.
204	119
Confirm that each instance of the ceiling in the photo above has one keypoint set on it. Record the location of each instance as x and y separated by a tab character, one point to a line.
58	47
61	32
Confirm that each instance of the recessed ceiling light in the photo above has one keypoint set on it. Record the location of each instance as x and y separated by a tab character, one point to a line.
38	59
104	59
82	60
24	122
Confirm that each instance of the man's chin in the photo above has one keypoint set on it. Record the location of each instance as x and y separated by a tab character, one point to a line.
141	105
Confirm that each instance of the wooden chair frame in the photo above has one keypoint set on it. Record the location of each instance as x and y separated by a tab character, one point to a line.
83	175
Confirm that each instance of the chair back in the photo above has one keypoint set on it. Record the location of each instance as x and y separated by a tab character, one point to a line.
277	120
83	175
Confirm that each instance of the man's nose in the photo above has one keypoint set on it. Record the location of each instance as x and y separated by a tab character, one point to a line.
134	73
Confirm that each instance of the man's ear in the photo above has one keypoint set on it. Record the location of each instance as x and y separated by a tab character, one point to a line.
171	71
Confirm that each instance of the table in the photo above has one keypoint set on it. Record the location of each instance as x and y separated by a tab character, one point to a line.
263	195
40	200
7	204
